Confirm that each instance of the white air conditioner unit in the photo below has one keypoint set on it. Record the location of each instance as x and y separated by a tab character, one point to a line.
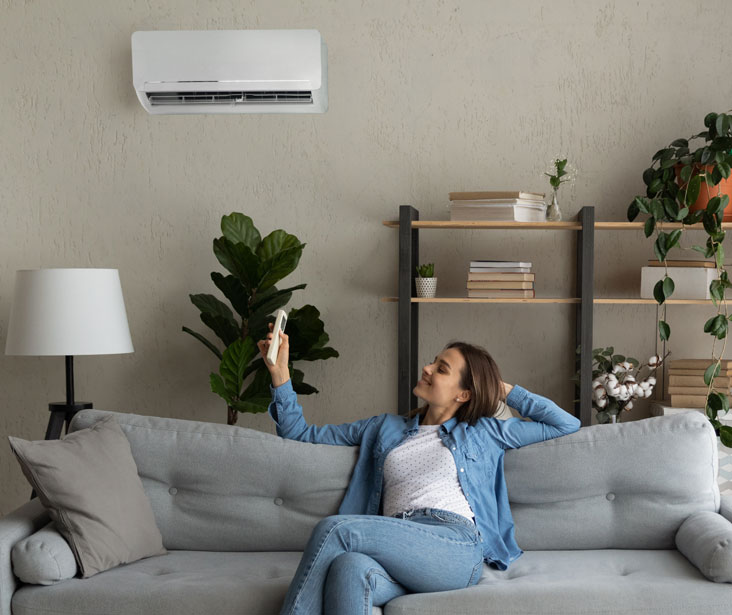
230	71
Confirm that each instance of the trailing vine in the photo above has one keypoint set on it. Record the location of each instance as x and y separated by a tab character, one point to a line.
674	182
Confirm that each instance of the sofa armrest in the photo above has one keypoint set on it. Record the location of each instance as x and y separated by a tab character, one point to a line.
705	539
15	526
725	509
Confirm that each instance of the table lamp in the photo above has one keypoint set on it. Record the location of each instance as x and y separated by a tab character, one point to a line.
67	312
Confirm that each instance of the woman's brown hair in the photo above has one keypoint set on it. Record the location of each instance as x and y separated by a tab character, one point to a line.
482	378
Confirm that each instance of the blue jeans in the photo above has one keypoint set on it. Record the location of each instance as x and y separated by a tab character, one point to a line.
354	562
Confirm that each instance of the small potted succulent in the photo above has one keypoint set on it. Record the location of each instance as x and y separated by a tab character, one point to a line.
426	282
617	382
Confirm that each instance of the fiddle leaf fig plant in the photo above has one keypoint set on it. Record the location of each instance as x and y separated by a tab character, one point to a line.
255	265
674	181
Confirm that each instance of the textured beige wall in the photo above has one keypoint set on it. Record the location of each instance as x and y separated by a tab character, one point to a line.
425	98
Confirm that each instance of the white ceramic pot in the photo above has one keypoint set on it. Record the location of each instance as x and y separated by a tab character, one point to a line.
426	287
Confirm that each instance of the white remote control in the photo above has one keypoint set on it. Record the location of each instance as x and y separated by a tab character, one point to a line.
274	346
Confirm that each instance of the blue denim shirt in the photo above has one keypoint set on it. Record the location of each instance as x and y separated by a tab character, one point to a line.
478	452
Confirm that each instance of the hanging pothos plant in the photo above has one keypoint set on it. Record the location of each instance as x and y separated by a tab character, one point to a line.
255	265
674	182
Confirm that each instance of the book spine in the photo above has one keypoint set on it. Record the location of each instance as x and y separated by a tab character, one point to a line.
697	372
697	381
688	401
500	277
698	364
674	390
500	285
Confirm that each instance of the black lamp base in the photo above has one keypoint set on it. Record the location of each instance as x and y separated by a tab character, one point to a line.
62	413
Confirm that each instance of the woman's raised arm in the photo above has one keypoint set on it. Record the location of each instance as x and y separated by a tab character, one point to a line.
548	420
287	412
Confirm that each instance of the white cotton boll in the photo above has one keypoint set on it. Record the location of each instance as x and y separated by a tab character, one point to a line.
644	384
601	403
629	405
612	390
638	391
627	365
648	393
629	379
618	368
599	393
651	380
654	361
597	382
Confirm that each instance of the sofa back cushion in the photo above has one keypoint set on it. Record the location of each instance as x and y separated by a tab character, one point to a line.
221	488
624	486
224	488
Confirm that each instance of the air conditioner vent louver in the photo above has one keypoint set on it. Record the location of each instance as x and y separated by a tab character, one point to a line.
229	98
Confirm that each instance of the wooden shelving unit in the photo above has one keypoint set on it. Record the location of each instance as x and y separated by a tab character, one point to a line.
585	226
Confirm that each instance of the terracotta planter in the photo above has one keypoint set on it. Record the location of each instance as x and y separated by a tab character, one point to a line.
707	192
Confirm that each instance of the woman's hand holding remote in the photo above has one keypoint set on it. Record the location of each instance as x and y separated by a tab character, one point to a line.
279	371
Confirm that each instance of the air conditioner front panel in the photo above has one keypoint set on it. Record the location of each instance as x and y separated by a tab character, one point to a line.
240	70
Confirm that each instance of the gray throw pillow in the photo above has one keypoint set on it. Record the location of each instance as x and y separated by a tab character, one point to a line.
43	558
705	539
88	482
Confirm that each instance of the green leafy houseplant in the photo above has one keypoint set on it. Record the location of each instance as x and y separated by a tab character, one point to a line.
673	183
426	271
255	265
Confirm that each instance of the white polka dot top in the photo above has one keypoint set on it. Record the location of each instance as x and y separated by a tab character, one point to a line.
421	473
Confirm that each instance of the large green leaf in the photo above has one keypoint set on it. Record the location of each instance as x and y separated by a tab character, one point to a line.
725	435
210	345
664	330
304	328
222	327
299	385
218	387
211	305
257	391
692	190
280	254
239	260
234	291
236	358
254	406
320	354
238	228
711	372
272	298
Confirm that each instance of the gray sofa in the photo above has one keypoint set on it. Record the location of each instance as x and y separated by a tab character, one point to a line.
597	513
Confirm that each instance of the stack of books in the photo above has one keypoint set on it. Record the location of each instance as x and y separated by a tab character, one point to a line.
501	279
686	382
500	206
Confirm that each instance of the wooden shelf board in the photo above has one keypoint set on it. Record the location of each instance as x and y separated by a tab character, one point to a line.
549	300
556	226
485	300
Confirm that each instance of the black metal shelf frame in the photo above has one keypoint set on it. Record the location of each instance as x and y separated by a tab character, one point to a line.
408	326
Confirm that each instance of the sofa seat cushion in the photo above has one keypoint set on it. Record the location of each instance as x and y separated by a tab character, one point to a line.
182	582
601	582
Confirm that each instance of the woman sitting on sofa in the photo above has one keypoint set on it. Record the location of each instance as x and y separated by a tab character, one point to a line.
427	503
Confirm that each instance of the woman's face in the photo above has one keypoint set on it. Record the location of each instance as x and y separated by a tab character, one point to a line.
440	381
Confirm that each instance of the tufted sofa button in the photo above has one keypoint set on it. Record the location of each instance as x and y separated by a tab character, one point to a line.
172	491
610	496
278	501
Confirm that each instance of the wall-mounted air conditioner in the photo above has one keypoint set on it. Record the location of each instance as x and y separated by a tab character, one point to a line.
230	71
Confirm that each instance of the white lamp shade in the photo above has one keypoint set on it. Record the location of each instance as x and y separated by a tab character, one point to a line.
68	312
